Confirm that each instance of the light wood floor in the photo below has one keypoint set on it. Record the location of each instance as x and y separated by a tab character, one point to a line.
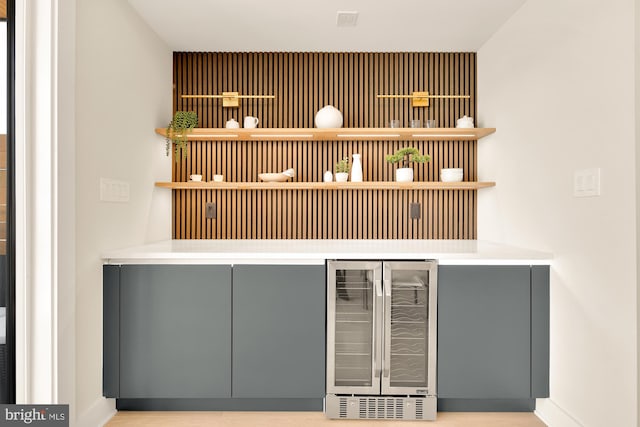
314	419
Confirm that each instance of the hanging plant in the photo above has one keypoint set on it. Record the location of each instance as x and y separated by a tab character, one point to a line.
178	130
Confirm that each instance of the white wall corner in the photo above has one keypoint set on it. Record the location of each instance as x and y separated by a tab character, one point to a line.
553	415
97	415
66	206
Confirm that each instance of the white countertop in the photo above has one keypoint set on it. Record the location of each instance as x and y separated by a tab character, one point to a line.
446	252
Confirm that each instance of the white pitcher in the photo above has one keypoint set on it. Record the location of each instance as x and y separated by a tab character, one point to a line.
251	122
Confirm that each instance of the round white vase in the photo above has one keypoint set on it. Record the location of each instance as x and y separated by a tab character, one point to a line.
356	169
328	117
404	175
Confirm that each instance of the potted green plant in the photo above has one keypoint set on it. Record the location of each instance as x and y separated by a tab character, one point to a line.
178	130
406	156
342	170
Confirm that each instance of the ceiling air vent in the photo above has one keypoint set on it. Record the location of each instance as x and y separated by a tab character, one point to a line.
346	18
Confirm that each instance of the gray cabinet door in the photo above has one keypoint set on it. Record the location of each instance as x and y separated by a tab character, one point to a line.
175	331
484	332
278	331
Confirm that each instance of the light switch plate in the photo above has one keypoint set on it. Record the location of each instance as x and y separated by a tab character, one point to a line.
346	18
112	190
586	182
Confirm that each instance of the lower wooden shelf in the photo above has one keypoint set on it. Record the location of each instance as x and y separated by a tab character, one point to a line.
367	185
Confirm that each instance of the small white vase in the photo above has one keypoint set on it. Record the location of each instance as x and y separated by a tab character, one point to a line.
342	176
328	117
404	175
356	169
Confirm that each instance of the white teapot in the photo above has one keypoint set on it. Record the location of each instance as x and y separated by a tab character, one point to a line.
232	124
328	117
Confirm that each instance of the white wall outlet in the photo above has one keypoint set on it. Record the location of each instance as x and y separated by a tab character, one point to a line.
586	183
114	191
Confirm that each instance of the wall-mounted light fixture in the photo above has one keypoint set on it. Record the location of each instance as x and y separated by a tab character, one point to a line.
421	99
229	99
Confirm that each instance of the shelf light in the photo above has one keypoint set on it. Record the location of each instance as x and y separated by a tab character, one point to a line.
368	135
281	135
435	135
216	135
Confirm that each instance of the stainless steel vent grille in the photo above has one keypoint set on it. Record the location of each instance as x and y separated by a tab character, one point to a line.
399	408
343	407
419	410
380	408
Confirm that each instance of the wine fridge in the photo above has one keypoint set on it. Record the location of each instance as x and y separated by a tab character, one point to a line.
381	340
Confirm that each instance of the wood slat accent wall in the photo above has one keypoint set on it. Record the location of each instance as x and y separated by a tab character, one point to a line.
303	83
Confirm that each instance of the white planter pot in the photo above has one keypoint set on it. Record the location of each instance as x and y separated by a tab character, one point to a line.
404	175
342	176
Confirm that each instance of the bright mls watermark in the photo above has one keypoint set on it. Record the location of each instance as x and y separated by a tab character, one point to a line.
34	415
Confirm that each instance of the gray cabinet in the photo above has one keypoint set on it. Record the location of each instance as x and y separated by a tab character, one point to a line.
278	331
174	328
493	332
171	331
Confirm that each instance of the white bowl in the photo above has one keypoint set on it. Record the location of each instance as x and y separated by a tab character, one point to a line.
451	174
273	177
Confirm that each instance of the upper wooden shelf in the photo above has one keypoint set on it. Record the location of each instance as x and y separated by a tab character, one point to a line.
367	185
335	134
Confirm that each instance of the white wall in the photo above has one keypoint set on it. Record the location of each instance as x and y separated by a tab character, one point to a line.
65	251
123	92
557	81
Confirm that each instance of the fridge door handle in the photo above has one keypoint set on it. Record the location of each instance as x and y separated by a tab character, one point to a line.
387	329
378	329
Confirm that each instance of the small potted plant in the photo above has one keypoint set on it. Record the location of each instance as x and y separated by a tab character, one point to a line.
178	130
407	156
342	170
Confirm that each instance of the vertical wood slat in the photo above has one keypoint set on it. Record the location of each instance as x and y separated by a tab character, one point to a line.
303	83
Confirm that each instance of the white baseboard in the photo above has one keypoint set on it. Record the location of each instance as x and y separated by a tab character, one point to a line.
553	415
98	413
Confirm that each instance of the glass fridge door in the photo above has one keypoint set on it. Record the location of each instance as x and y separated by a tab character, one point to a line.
354	322
410	316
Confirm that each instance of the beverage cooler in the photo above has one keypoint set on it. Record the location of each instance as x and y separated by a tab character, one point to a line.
381	340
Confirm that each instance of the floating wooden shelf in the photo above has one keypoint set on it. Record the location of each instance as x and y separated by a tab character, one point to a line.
369	185
336	134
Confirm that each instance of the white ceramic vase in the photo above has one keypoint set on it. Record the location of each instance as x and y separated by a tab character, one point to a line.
342	177
404	175
356	169
328	117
